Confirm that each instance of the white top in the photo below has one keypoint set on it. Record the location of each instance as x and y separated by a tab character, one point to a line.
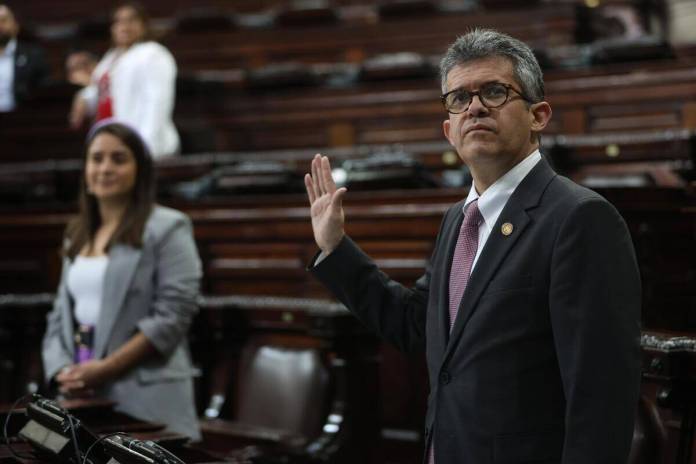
494	199
86	285
7	57
143	86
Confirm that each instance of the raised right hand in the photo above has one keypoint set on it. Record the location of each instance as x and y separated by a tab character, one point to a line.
326	202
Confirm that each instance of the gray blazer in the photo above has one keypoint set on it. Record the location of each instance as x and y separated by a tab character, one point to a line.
152	290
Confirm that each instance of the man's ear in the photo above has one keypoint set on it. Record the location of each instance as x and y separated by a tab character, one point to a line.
541	115
446	130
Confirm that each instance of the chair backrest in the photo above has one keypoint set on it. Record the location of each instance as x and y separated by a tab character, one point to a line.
649	435
284	388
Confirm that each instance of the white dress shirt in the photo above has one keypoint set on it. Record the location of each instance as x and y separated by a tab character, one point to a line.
494	199
7	57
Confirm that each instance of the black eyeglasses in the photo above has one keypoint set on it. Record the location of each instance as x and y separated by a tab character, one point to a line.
492	95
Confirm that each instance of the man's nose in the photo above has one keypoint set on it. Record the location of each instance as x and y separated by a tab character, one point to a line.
476	107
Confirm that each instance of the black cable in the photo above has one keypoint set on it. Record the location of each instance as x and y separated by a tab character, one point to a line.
99	440
74	438
168	456
7	422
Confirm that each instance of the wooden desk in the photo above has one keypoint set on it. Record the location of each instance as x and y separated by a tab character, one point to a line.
669	379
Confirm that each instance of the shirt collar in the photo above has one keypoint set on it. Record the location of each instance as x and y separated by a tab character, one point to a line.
10	48
493	200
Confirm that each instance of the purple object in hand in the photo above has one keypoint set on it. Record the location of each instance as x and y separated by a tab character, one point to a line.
83	343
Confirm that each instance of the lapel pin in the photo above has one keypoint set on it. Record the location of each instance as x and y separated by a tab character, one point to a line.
506	229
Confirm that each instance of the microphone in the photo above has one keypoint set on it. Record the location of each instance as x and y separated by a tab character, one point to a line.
55	433
49	413
49	405
149	450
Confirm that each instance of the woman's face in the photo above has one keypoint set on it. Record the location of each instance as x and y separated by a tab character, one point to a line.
127	27
110	169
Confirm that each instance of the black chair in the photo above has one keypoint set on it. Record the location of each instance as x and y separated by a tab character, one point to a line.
283	404
649	436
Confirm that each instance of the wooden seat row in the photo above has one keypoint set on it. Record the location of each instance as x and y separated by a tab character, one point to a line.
659	158
214	39
553	26
373	413
223	118
409	111
264	248
226	330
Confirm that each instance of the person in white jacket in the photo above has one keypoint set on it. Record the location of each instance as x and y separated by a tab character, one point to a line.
134	82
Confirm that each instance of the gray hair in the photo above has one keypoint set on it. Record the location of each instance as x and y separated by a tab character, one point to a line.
486	43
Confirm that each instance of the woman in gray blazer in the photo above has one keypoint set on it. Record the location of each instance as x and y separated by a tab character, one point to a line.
128	290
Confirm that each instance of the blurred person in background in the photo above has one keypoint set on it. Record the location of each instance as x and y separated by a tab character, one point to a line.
134	82
79	66
22	65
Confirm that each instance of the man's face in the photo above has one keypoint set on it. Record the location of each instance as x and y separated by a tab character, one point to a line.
500	136
8	25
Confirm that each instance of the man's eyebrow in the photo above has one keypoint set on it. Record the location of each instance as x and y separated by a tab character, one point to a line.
493	81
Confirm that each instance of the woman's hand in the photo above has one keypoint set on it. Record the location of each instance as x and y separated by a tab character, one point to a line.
82	379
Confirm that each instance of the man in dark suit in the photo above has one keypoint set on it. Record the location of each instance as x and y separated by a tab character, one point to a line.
529	309
22	65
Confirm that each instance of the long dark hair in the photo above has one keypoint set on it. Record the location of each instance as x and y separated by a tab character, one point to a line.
82	229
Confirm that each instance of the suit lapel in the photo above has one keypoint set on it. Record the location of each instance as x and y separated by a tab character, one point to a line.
498	245
67	305
496	248
123	261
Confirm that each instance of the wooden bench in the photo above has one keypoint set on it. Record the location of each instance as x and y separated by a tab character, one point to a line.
265	248
364	389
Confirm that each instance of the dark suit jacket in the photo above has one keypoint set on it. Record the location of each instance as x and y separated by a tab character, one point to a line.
543	363
30	70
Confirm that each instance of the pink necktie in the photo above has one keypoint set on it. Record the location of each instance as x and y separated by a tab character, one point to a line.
463	259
